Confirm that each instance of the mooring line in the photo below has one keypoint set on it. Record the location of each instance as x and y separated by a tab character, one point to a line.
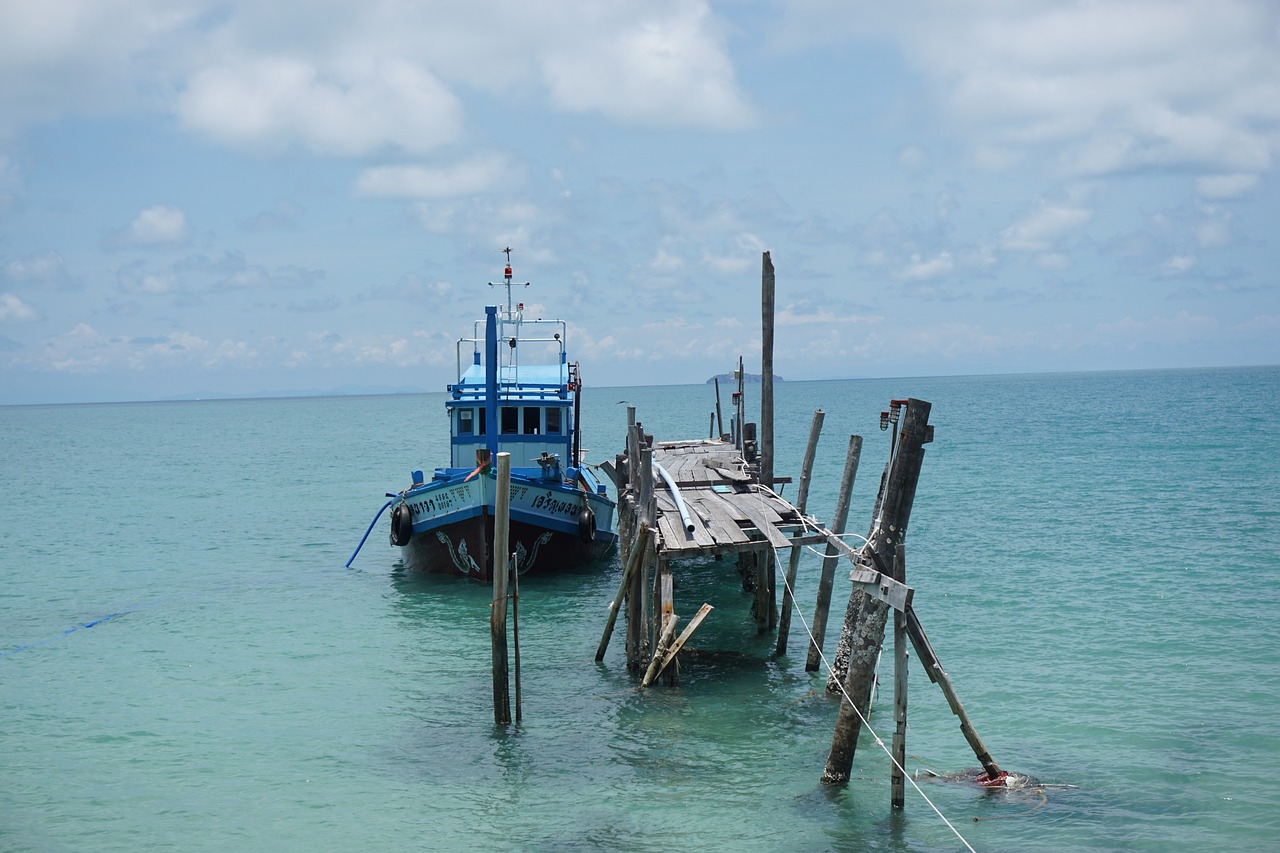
853	705
72	629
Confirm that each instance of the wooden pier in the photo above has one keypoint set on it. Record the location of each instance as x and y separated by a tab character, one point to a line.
697	498
714	497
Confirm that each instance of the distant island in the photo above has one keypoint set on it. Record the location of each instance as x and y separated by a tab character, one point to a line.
749	378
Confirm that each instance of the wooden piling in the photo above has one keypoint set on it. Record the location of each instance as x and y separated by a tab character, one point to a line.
862	636
766	371
629	569
897	774
888	528
827	579
498	611
719	421
515	633
938	675
802	499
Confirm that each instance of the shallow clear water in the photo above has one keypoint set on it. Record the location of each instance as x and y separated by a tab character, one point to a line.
1095	558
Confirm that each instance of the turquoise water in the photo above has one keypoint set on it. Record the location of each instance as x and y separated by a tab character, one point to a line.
186	665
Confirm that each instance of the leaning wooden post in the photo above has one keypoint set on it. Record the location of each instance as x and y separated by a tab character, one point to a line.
498	613
938	675
667	630
888	528
863	634
897	776
633	562
802	498
719	421
637	596
766	370
827	580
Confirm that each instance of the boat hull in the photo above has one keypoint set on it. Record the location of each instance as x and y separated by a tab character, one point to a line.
453	527
465	548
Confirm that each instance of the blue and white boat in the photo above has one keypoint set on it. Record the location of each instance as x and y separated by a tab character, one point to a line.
561	515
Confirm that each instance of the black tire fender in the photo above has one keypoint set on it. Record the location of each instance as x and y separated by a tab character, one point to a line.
401	524
586	524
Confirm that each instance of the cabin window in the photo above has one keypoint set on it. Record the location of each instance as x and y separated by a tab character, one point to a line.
466	421
483	418
553	421
510	420
532	420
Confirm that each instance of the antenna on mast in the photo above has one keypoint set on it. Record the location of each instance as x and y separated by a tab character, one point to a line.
506	280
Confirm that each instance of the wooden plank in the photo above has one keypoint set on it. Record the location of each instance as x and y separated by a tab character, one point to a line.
882	588
684	636
766	525
723	514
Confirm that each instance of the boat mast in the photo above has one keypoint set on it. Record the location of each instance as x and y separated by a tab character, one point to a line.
508	283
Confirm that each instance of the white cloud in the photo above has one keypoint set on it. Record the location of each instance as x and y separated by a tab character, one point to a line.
14	310
925	269
1040	230
353	78
475	175
157	225
276	102
45	269
1179	265
1225	186
1109	87
658	65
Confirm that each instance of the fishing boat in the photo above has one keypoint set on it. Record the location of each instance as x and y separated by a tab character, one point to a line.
517	393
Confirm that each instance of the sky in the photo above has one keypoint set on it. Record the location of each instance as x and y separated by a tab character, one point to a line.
227	197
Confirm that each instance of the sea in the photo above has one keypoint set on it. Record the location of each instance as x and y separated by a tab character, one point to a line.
186	664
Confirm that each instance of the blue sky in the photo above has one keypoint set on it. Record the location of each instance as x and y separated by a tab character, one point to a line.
202	197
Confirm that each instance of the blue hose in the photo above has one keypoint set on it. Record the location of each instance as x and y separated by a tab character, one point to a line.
370	530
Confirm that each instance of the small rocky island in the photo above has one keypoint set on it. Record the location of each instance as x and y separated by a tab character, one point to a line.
749	378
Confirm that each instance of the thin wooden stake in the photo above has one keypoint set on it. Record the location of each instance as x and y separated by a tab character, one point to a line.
897	776
802	499
664	642
633	561
827	580
684	637
498	612
515	628
719	421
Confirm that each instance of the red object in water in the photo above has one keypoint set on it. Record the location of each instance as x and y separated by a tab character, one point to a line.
987	782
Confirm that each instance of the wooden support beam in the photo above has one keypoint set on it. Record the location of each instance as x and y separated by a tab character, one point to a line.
888	528
766	369
793	564
827	580
882	588
498	609
897	776
629	569
660	652
684	637
862	636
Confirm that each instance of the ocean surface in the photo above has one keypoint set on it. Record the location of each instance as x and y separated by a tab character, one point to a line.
186	665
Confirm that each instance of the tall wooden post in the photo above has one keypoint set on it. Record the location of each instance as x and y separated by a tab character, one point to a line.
719	420
827	580
766	371
802	499
498	613
865	618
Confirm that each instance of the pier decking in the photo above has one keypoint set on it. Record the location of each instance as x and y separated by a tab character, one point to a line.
729	511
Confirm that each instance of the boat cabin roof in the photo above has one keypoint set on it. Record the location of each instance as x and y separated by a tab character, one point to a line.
528	382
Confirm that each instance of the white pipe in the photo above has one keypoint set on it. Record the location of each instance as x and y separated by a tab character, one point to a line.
675	493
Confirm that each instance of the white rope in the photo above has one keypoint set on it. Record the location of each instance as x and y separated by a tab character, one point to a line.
852	705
